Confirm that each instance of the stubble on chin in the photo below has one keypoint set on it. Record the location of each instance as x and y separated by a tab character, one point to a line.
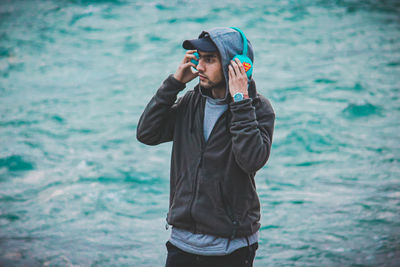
210	85
206	85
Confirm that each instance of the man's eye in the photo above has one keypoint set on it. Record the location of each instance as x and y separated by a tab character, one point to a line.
207	59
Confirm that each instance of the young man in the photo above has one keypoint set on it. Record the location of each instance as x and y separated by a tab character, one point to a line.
222	133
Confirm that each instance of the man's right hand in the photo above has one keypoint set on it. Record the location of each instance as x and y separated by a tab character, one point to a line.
184	73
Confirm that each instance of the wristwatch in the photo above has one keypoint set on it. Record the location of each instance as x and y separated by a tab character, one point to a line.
238	97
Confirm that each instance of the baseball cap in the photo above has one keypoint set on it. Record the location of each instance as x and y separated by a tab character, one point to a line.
203	43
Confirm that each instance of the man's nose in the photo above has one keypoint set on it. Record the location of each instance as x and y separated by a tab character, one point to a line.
200	66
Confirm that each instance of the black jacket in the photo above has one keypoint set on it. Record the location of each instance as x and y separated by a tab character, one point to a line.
212	187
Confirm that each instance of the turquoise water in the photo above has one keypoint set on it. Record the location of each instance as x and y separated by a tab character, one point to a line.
77	188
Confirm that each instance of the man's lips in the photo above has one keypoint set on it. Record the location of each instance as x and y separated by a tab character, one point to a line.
202	78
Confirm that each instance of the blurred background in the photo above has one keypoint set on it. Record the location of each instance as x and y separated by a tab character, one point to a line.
78	189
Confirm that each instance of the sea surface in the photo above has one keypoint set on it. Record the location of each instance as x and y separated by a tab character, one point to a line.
78	189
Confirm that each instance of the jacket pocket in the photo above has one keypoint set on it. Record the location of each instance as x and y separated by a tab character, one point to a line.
179	198
179	188
226	205
229	212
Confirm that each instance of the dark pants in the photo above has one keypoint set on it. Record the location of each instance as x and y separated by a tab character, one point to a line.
242	257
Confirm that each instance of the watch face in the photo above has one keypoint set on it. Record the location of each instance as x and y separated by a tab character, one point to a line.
238	97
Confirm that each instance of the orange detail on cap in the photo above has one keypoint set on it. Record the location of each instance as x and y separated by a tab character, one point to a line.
246	66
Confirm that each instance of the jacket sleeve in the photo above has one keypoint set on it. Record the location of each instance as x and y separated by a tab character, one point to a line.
156	125
252	129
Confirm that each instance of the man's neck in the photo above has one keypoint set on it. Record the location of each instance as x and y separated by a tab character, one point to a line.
218	92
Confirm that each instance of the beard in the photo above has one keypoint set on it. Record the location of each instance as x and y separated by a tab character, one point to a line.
210	85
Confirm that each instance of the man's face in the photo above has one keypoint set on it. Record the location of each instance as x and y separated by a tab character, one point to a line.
210	70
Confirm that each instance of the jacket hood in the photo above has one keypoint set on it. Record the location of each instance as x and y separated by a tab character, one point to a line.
229	43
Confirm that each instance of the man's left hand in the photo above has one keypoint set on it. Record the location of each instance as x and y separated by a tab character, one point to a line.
237	79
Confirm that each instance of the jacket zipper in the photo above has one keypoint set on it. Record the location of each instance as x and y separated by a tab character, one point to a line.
213	129
203	146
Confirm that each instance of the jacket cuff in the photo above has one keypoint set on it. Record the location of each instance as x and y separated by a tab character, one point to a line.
174	82
170	88
243	110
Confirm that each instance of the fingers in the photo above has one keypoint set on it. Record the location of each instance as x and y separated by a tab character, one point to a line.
190	71
238	66
187	64
189	55
241	67
237	79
